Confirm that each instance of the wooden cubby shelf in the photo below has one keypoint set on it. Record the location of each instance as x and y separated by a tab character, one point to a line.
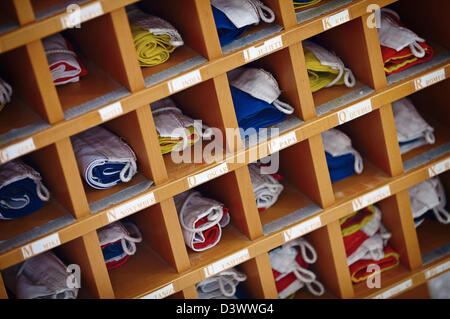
39	123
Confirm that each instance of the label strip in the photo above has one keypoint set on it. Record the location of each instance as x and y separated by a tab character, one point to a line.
354	111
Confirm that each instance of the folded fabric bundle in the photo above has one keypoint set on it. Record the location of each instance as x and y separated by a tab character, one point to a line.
412	130
103	158
221	286
234	17
342	159
325	68
5	93
401	48
289	267
62	60
366	243
44	276
176	131
154	38
201	219
21	190
265	187
299	4
255	94
429	197
118	242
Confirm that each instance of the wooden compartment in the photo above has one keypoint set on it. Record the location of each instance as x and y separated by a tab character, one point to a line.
51	114
244	220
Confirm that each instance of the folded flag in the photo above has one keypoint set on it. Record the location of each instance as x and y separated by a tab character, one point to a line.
21	190
342	159
290	264
401	48
176	131
64	64
255	94
154	38
221	286
5	93
266	188
233	17
325	68
429	196
412	130
201	219
118	242
300	4
44	276
103	158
